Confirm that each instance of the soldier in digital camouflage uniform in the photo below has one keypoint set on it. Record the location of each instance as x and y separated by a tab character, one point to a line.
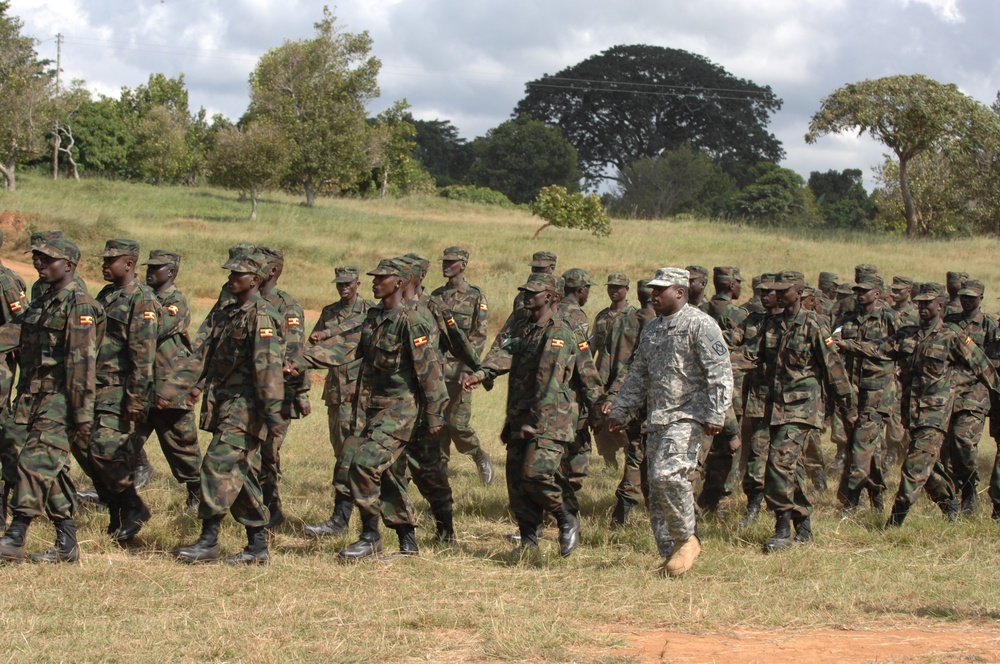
615	333
470	311
540	355
242	389
339	326
929	355
296	402
953	283
896	437
13	301
796	354
125	383
960	451
175	425
681	370
400	385
57	336
872	378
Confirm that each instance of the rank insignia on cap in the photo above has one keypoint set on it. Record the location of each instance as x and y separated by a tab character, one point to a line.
86	320
483	307
558	343
420	341
583	346
266	332
294	322
968	341
15	306
451	322
173	309
149	315
828	341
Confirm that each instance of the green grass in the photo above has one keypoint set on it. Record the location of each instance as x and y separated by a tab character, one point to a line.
476	600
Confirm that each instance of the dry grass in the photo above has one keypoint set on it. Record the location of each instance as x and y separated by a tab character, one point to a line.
477	600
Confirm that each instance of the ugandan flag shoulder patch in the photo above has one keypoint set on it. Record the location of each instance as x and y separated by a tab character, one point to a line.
451	322
149	315
86	320
968	341
15	306
420	341
266	332
828	341
294	321
173	309
558	343
483	307
583	346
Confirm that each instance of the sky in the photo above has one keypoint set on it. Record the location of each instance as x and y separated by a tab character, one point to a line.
467	61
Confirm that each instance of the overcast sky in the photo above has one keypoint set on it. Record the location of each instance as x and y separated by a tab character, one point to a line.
467	60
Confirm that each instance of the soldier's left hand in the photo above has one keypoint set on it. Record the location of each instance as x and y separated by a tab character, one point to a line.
606	408
291	369
133	415
712	429
286	411
735	444
305	408
433	431
528	431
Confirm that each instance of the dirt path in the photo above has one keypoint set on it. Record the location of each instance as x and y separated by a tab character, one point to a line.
814	646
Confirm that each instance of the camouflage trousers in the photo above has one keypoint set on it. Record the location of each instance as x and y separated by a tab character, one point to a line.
897	439
710	449
458	428
177	431
784	476
532	487
428	467
270	471
922	469
672	454
755	447
634	485
960	452
40	471
838	434
994	490
230	478
812	455
339	421
378	477
108	457
574	469
608	444
863	468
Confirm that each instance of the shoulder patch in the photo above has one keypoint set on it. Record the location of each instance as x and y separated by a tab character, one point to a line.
583	345
266	332
22	294
86	320
558	343
719	348
173	309
968	341
15	306
294	321
451	322
420	341
149	315
828	341
483	307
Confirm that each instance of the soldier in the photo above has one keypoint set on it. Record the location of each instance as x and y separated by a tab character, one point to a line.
13	301
242	392
296	402
616	331
125	384
838	431
954	284
753	305
175	425
896	437
470	311
796	354
870	320
698	277
400	383
681	370
540	355
812	451
972	401
827	293
930	355
340	321
58	337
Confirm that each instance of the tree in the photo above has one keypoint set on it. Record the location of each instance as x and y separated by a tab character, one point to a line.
519	157
777	195
842	198
249	159
104	138
442	151
631	102
65	106
909	114
161	149
24	94
315	91
565	209
391	167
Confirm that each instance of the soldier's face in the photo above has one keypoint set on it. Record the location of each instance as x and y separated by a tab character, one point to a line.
667	300
736	289
970	303
866	297
157	276
384	285
116	267
348	290
241	283
536	301
788	297
617	293
50	270
769	299
928	310
451	268
582	295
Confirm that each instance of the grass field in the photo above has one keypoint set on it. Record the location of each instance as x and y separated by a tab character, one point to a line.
476	600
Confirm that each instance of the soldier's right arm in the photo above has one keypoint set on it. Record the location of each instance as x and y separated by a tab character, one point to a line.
81	360
632	394
176	316
13	300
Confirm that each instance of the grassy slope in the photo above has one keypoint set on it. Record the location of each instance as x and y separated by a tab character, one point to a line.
474	601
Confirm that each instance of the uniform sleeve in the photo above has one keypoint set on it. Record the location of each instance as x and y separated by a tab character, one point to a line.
296	387
713	356
588	381
631	396
555	368
427	365
176	315
453	337
966	352
14	299
268	359
480	318
142	336
834	371
81	361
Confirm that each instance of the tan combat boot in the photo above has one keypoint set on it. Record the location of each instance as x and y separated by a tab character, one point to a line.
683	558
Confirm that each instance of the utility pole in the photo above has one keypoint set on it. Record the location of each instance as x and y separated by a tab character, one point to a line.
59	40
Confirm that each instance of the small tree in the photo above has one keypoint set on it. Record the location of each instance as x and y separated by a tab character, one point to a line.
249	159
564	209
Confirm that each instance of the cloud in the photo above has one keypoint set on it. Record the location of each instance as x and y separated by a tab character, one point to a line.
946	10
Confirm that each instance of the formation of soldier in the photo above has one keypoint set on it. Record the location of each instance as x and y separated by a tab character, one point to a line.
696	391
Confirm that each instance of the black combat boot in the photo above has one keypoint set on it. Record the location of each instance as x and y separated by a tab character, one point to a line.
782	537
206	549
950	509
970	499
619	515
407	541
65	549
142	472
273	501
444	527
852	502
529	535
193	501
12	542
753	509
898	515
803	530
569	531
113	504
255	552
134	513
337	523
4	499
369	544
484	465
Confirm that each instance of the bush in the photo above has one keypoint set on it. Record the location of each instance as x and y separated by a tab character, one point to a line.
563	209
474	194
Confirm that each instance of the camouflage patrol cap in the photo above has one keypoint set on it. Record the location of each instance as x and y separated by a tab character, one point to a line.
930	290
808	291
956	278
161	257
539	282
972	287
238	251
543	259
765	279
618	279
345	274
421	262
455	254
576	278
863	269
786	279
671	276
642	286
41	237
410	267
696	271
59	247
866	282
727	272
272	255
390	267
119	247
845	288
828	280
254	262
899	283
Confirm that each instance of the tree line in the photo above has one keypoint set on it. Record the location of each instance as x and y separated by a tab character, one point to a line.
660	132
